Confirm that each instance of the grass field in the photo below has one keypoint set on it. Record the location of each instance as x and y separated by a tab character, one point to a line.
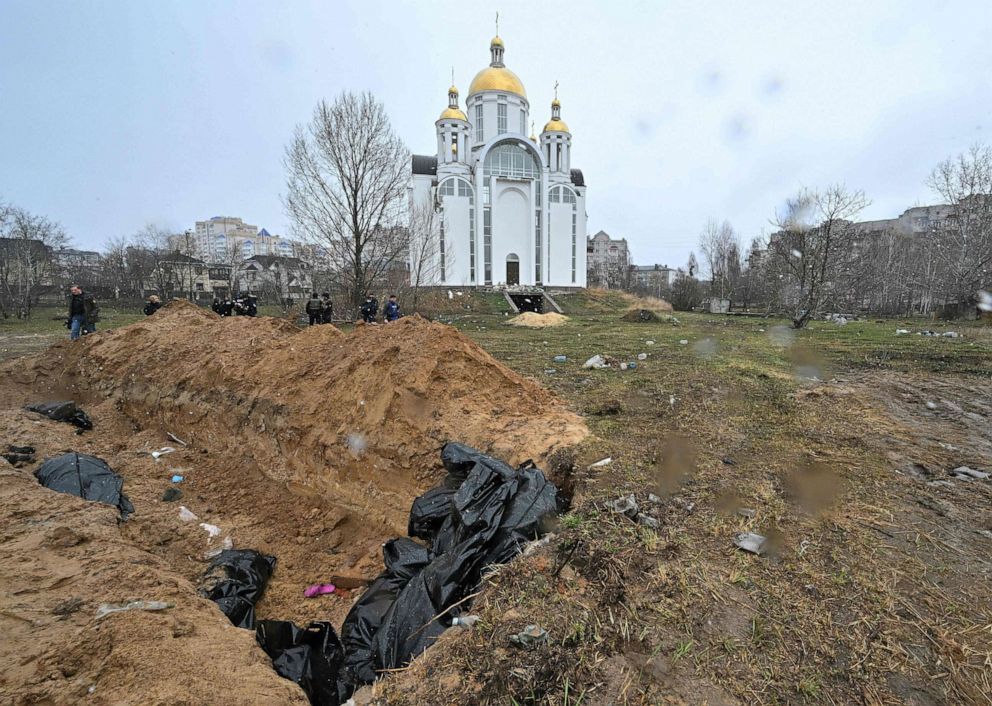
834	442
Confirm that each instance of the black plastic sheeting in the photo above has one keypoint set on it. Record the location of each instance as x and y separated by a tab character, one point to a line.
310	657
481	515
86	477
235	581
66	412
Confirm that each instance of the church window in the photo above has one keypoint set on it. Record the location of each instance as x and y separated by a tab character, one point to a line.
479	132
501	115
574	218
523	122
487	242
511	159
558	154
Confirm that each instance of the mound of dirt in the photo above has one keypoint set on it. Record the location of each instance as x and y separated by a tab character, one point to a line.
650	303
644	316
530	319
305	444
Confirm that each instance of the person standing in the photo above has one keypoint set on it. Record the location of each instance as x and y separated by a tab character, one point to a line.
315	309
327	313
83	313
153	305
369	309
391	312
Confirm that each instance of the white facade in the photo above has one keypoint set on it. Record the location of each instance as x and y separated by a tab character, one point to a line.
511	210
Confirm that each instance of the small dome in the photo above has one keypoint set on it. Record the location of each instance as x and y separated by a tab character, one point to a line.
497	78
496	42
556	125
453	114
453	89
556	103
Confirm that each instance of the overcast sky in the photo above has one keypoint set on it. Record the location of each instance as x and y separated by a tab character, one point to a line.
117	114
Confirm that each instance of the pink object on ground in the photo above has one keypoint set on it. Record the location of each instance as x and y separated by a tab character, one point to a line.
318	589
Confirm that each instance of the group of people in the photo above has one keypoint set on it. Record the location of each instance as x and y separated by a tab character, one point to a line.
241	305
320	310
370	309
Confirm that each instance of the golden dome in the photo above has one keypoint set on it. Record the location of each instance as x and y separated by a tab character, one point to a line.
556	125
453	89
556	103
496	42
497	78
453	114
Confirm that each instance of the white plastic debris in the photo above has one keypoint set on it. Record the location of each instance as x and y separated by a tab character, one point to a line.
600	464
950	334
162	452
465	621
649	343
671	401
964	472
450	295
931	405
901	331
596	362
185	515
106	609
211	530
623	366
684	342
642	356
751	542
226	544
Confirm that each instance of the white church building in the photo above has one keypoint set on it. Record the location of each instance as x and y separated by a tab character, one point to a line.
510	210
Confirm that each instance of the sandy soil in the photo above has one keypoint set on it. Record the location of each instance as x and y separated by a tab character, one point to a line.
305	444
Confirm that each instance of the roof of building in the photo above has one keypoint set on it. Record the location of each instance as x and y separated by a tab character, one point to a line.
450	113
652	268
424	164
269	260
264	232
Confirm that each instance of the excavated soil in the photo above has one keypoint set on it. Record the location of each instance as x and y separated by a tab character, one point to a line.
530	319
306	444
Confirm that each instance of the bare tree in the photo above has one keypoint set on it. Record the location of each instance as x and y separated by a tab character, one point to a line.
347	173
963	247
719	245
425	247
685	288
27	242
812	247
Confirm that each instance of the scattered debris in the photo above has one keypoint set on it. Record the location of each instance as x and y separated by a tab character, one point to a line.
66	411
175	438
211	530
177	478
106	609
86	477
966	473
161	452
530	637
648	521
171	495
601	463
951	334
684	342
560	359
649	343
729	461
901	331
465	621
186	515
319	589
747	512
931	405
626	505
596	362
642	356
751	542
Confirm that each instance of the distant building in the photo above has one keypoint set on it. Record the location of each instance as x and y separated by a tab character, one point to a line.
918	220
276	278
607	261
70	257
652	278
226	238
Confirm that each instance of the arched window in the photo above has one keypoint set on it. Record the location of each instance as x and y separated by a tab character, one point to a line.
512	159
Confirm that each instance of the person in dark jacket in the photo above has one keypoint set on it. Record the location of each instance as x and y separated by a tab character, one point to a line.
327	313
153	305
391	312
315	309
369	309
83	313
